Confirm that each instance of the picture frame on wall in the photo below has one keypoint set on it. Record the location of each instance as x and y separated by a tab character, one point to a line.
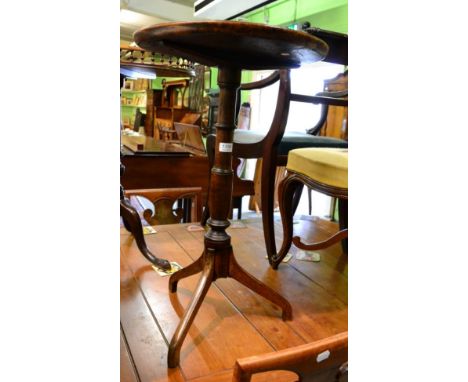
128	84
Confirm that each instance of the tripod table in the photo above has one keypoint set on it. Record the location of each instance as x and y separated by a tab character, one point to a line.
231	46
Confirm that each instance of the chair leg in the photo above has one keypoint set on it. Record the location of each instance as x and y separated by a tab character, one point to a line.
286	191
267	193
343	221
309	197
132	220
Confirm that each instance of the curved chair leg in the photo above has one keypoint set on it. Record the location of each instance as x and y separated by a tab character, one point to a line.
267	193
126	223
192	269
210	151
343	221
287	189
203	285
132	219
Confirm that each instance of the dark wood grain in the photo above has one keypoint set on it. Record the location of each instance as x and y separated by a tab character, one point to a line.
172	172
337	42
233	44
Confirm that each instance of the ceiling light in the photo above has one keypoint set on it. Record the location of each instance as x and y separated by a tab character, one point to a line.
129	17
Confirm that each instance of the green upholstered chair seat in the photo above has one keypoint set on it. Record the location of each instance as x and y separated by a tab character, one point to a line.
296	140
291	140
325	165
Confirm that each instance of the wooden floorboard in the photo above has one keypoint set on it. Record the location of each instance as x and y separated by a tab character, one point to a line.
146	343
127	371
217	326
233	322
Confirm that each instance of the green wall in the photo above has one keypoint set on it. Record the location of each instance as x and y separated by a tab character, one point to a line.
335	19
156	84
326	14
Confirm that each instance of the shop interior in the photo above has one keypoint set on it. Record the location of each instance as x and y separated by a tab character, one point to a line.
233	197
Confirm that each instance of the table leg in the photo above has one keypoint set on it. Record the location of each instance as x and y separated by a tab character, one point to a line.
173	356
192	269
242	276
218	258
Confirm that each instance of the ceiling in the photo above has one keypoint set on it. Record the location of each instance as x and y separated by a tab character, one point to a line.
135	14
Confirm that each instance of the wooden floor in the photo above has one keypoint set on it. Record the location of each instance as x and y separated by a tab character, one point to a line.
233	322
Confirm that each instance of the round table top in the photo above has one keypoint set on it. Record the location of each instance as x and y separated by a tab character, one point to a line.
233	44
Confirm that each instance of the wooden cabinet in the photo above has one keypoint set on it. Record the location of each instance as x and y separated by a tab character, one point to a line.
336	124
175	94
164	121
172	106
130	101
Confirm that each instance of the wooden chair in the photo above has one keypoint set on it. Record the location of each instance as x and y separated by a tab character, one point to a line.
132	223
321	361
188	209
164	129
274	147
321	169
333	122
